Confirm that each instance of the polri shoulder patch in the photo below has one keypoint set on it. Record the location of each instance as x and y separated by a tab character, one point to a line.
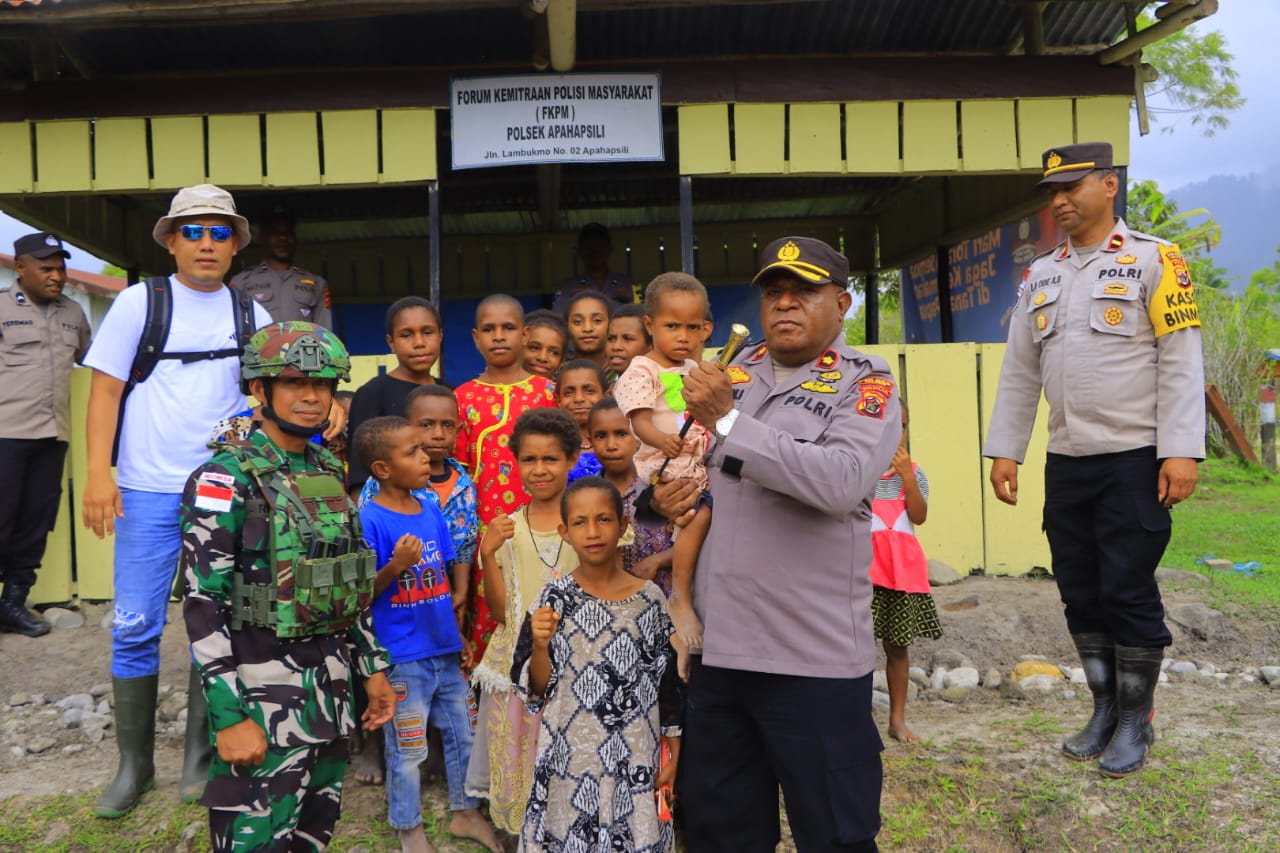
873	396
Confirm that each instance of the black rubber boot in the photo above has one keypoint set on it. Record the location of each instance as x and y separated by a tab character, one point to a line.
15	618
1098	657
135	721
1137	673
198	750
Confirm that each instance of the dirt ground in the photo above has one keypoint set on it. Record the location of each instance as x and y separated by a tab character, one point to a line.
998	621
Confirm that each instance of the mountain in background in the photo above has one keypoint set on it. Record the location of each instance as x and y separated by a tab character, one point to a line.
1248	209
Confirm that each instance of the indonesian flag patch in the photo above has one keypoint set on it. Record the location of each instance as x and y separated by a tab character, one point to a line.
214	491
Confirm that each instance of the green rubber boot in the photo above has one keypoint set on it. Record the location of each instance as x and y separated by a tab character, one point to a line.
198	751
135	721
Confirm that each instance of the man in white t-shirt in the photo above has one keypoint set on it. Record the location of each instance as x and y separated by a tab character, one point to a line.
166	423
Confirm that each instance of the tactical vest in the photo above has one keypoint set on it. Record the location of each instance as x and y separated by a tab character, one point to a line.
324	577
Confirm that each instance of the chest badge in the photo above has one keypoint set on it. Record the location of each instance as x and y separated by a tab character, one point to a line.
1042	322
1115	289
1040	298
1112	316
1126	259
830	376
737	375
817	387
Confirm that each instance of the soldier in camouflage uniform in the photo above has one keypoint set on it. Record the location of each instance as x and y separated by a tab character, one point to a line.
277	592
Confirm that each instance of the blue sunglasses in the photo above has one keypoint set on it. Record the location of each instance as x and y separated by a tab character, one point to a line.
219	233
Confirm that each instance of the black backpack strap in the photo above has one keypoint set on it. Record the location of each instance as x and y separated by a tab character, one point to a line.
246	323
155	332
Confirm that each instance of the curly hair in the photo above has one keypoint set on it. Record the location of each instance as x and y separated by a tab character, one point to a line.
554	423
372	441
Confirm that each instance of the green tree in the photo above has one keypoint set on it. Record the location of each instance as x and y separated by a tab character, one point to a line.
855	327
1196	79
112	269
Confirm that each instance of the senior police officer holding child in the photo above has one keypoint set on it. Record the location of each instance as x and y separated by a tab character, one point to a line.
42	336
1106	324
805	425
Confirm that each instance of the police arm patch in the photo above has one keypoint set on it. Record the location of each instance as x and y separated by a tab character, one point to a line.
873	397
1173	305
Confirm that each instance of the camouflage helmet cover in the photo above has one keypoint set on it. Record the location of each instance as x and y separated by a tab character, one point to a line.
294	348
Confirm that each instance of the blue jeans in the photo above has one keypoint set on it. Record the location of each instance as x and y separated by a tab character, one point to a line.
148	541
429	690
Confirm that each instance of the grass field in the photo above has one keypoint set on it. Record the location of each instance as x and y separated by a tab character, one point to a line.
1233	515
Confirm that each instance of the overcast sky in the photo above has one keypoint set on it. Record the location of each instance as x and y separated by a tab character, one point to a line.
1251	145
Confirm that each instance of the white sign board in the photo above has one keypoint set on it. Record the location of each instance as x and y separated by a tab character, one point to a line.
555	118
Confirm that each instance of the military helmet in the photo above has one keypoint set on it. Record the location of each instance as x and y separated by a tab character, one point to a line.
308	349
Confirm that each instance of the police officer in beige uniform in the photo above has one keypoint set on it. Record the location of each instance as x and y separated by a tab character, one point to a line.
1106	324
42	336
805	426
594	248
288	292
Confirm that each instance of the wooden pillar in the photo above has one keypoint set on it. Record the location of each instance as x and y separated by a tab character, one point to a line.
944	294
433	242
872	307
687	260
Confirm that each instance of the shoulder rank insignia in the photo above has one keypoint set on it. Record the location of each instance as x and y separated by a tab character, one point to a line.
1127	259
1066	250
830	376
818	387
1116	241
759	354
737	375
873	395
828	360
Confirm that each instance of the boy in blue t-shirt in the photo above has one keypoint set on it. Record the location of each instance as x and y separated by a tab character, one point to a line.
413	618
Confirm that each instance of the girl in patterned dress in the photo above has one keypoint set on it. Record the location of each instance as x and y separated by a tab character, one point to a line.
490	404
519	554
901	603
595	657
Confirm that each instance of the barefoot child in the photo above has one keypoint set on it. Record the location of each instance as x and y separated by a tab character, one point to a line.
579	386
413	617
595	628
901	603
615	445
414	338
627	337
519	554
587	316
490	405
676	312
546	339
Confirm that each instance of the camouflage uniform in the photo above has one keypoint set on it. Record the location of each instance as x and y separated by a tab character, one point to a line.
297	689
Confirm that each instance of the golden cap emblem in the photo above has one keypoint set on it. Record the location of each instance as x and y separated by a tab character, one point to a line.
1053	161
789	251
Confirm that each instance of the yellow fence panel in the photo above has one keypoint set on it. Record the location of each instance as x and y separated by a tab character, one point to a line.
177	151
94	557
1105	120
350	146
929	136
1014	541
15	164
235	150
941	390
990	136
293	150
62	156
408	145
704	139
1042	124
871	137
815	138
120	154
759	139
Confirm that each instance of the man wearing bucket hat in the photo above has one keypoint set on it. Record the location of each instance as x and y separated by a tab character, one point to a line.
1106	325
805	426
42	335
164	424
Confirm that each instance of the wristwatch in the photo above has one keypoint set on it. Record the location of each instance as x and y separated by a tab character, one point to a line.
724	424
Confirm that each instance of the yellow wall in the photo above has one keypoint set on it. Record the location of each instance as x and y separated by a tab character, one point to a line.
950	389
